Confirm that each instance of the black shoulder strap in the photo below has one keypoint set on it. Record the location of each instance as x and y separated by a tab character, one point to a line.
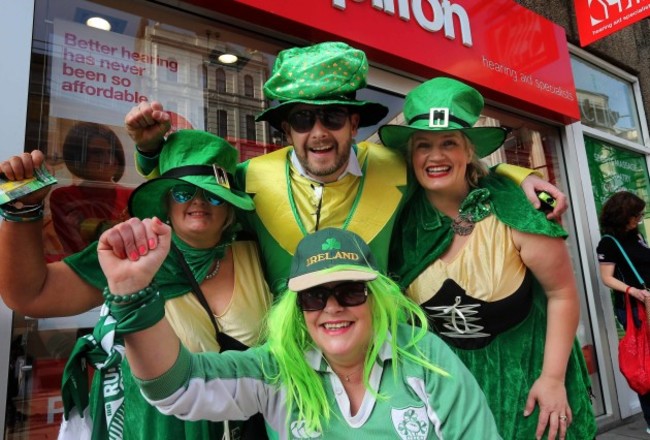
226	342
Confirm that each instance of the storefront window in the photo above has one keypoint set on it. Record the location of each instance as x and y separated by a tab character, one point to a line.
83	81
208	76
606	102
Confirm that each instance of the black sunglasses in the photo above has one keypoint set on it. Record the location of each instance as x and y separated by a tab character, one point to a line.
184	193
332	118
348	294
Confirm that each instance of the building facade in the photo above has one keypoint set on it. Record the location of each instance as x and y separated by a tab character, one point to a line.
577	115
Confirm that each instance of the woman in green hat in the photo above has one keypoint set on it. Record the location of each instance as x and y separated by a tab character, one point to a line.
492	273
215	296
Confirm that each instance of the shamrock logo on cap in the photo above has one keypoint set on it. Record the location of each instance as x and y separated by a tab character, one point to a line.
331	244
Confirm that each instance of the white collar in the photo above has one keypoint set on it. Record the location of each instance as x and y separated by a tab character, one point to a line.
353	166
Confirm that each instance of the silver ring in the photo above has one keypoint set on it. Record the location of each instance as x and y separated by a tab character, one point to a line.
563	418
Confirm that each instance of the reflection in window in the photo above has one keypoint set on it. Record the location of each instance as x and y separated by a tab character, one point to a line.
250	128
171	107
222	123
615	169
220	77
248	86
172	70
524	146
606	102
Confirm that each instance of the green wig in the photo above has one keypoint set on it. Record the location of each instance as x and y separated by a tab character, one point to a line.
288	339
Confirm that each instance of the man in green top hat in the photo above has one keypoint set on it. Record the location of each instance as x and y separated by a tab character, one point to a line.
324	178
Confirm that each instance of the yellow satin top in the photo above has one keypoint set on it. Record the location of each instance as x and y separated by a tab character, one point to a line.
488	267
335	206
244	315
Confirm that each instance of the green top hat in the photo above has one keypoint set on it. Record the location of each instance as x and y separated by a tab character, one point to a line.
328	255
444	104
195	157
323	74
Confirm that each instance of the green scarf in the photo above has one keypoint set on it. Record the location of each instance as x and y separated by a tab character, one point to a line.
104	351
170	279
423	233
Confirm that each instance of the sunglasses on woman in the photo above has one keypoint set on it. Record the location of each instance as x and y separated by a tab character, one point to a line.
348	294
332	118
185	193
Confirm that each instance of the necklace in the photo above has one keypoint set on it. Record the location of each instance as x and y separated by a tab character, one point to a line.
214	272
463	224
348	376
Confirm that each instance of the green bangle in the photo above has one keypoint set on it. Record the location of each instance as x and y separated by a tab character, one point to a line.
139	296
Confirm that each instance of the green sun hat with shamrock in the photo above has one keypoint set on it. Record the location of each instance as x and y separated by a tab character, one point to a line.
327	73
328	255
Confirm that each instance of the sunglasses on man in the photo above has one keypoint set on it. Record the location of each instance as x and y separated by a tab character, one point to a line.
332	118
185	193
350	294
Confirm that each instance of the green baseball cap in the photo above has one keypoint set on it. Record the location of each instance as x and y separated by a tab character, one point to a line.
443	104
328	73
331	254
195	157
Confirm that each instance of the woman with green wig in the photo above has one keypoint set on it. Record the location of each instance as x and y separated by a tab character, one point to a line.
340	360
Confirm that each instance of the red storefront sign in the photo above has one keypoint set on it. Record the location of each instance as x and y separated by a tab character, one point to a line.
599	18
511	54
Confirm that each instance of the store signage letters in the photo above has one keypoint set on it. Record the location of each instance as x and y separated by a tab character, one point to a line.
443	15
510	53
599	18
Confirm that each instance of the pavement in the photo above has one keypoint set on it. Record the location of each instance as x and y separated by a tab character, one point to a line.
631	428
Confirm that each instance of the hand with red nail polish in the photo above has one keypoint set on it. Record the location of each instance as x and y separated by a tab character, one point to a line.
135	273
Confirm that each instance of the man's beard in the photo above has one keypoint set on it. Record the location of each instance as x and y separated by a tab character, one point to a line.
340	163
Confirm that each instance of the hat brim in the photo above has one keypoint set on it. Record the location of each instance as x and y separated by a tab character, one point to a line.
370	112
329	275
486	140
150	198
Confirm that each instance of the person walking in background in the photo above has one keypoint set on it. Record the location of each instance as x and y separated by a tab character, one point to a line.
343	358
81	212
215	296
620	218
493	274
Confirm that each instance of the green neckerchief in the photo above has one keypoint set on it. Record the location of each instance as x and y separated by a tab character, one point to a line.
423	233
170	279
